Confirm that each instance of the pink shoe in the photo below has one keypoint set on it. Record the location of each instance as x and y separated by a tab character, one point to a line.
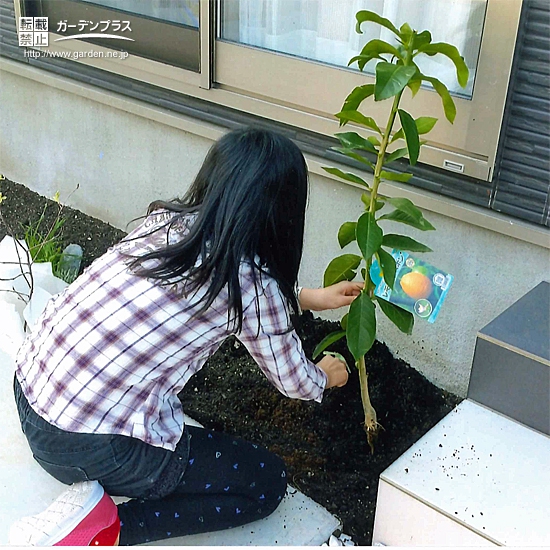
83	515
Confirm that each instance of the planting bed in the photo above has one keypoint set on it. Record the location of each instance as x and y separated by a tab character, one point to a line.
323	445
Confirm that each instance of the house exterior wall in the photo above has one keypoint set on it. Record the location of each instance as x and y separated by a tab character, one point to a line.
51	140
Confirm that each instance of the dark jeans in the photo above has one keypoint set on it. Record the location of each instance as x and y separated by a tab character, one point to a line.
211	481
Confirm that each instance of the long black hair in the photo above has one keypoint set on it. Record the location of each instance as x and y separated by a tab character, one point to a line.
249	200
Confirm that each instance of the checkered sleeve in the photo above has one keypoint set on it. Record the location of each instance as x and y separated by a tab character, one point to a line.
278	350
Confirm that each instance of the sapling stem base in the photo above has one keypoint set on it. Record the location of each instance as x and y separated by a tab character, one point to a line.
370	425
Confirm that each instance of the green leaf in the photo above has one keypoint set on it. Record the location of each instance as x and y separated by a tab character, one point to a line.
362	60
357	96
346	233
352	140
403	177
416	81
387	263
391	79
358	118
401	242
421	39
378	47
356	156
397	154
374	50
346	176
424	124
398	135
369	235
411	135
374	140
365	198
405	205
341	268
402	50
405	32
327	341
402	217
449	106
365	15
414	85
344	322
402	319
361	330
453	54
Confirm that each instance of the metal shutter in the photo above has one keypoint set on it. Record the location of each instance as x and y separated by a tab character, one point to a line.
522	183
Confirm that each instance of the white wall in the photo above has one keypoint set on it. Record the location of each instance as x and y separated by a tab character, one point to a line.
51	140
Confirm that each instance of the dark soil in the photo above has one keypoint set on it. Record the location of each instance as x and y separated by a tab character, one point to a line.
324	445
23	207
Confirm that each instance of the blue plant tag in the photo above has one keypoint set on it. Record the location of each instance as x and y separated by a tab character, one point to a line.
419	287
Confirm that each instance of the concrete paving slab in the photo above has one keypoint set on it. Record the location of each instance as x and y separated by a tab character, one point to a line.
26	489
481	470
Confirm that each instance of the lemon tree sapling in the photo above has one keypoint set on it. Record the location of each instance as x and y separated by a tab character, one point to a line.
396	71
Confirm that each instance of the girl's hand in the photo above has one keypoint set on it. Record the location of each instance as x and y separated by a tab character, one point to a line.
336	371
332	297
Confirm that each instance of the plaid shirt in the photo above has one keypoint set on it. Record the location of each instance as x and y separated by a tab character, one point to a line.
111	352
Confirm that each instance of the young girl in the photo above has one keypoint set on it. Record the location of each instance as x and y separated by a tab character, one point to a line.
97	381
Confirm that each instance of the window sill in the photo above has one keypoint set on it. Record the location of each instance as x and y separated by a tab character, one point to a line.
446	206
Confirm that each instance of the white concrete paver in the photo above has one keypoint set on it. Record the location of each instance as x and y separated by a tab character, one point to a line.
479	469
26	489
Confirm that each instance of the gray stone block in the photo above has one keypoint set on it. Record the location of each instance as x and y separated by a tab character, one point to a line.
511	366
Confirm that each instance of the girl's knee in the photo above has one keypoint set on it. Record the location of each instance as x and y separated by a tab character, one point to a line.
273	484
280	479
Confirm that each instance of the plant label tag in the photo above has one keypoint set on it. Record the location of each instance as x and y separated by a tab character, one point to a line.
419	287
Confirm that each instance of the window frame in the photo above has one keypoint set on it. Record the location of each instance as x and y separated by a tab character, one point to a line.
134	66
240	77
149	36
472	141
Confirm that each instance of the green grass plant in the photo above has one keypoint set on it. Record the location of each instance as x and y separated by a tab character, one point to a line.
45	246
